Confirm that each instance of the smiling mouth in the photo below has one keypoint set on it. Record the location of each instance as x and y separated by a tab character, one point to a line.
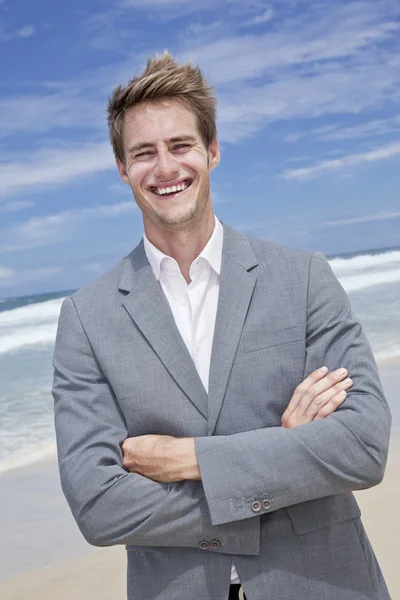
173	190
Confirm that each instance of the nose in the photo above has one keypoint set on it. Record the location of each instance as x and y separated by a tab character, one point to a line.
166	166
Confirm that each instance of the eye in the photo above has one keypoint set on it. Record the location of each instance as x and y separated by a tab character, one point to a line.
143	154
181	146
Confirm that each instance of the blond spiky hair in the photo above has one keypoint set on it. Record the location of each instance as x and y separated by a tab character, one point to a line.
162	79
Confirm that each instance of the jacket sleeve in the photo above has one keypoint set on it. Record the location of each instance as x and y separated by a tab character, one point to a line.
346	451
110	505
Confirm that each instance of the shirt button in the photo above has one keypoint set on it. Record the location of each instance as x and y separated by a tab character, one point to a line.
215	545
256	506
198	346
266	504
204	545
182	301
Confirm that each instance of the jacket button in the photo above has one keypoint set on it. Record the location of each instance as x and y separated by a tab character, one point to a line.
204	545
256	506
215	545
266	504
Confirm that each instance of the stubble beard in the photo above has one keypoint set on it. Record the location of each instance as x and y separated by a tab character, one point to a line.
187	218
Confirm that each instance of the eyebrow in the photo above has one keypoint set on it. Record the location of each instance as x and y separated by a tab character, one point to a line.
178	138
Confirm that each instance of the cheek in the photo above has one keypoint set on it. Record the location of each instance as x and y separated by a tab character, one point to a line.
196	164
136	175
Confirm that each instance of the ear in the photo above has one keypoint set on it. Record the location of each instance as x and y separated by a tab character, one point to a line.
214	154
122	171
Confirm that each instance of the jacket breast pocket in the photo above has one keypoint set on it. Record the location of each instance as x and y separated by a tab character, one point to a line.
263	338
323	512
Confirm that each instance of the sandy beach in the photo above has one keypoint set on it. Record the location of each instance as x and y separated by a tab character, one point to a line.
44	556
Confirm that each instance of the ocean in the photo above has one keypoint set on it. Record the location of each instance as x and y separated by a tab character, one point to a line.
28	328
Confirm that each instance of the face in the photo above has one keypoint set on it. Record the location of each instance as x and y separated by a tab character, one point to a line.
167	165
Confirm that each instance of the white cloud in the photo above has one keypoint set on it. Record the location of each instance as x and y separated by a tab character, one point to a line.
303	68
351	160
382	216
300	43
328	92
315	64
16	206
5	272
338	132
22	32
266	16
26	31
65	108
55	166
52	229
31	275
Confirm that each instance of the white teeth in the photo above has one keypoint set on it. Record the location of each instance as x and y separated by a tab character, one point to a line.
175	188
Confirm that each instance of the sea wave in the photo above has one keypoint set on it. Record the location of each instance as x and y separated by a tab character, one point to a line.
32	313
28	455
28	336
29	325
365	261
363	280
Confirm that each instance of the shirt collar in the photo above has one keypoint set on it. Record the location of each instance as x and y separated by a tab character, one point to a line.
212	252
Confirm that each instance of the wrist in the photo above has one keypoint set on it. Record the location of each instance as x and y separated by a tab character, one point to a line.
186	459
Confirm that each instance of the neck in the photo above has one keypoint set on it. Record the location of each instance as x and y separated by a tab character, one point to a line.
183	245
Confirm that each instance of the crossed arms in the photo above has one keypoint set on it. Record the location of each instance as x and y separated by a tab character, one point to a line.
168	459
346	451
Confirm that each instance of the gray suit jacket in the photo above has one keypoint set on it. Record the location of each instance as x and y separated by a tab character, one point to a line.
276	501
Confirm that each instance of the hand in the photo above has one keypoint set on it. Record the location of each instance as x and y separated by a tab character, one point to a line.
318	396
163	458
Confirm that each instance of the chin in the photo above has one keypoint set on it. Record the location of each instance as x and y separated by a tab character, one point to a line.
176	218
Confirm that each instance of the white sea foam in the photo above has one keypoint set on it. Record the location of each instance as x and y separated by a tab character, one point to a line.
365	261
32	314
28	455
367	270
358	282
29	325
28	430
28	336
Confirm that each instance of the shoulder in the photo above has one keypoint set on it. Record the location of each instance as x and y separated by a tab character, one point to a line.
269	256
101	292
268	251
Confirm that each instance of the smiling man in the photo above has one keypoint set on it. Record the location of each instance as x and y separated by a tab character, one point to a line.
195	423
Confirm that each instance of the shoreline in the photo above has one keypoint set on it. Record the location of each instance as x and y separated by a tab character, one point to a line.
389	369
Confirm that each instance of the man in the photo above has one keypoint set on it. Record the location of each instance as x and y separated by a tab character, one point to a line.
173	375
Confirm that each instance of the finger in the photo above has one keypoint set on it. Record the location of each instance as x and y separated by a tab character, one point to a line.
329	381
321	386
301	388
331	406
323	399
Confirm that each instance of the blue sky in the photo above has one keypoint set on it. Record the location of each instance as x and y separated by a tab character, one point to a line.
309	125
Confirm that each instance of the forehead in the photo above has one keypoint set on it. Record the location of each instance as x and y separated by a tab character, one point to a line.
150	122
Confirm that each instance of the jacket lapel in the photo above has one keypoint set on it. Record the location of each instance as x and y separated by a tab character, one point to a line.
149	308
237	283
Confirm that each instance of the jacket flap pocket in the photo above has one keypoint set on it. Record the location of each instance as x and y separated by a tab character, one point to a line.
323	512
265	338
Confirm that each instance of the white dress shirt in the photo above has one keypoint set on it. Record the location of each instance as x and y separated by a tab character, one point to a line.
193	305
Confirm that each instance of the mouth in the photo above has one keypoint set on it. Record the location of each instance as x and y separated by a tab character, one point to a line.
173	190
